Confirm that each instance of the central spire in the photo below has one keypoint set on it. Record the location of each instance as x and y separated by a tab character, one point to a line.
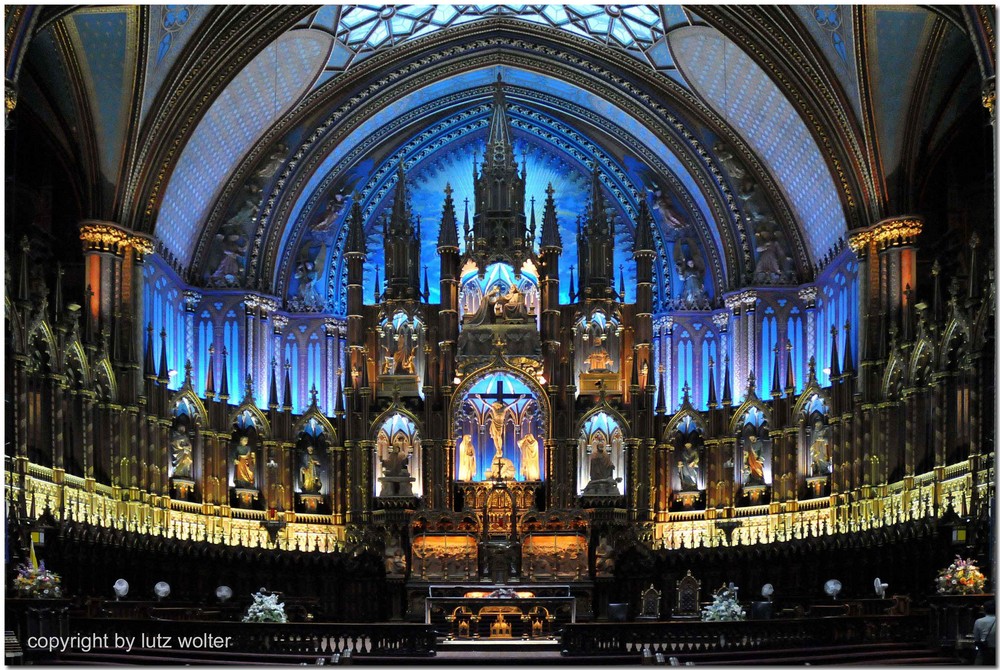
500	230
499	145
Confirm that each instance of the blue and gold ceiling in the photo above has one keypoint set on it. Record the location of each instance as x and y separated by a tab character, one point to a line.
246	132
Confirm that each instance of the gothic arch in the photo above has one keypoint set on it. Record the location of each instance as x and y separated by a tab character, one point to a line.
501	364
262	425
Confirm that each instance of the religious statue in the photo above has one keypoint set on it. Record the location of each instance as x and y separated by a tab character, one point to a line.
768	268
498	306
182	452
819	451
604	561
402	358
396	479
501	468
395	559
529	459
270	166
602	470
466	459
245	466
687	467
753	467
692	289
334	206
309	473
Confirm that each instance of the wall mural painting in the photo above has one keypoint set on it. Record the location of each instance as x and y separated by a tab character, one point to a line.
498	433
397	454
601	458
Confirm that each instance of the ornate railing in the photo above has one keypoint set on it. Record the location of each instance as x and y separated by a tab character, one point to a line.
310	639
677	638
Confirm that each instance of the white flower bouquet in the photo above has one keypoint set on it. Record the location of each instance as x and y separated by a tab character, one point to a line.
724	606
265	609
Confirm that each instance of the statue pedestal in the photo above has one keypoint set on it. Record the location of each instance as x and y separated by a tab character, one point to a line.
405	385
399	486
310	502
687	499
182	488
246	498
593	382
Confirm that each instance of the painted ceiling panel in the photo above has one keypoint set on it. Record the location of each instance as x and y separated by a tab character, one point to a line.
897	36
832	28
104	41
967	93
742	93
170	28
255	99
55	79
955	53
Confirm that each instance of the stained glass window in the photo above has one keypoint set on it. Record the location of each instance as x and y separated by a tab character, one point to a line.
361	30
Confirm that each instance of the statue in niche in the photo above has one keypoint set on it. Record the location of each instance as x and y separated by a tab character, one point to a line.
500	306
530	471
396	479
309	473
819	451
687	467
604	561
334	206
245	465
466	459
692	287
307	296
501	468
270	166
753	462
602	469
768	268
395	559
181	452
661	203
402	358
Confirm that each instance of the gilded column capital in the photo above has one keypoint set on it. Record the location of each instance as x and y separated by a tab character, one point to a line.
279	322
112	238
895	231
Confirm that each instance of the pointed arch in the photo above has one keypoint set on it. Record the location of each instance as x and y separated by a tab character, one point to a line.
806	398
740	414
314	413
76	359
502	365
105	380
260	420
188	394
922	360
677	418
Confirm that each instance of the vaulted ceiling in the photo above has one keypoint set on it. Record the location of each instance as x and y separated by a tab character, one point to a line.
741	125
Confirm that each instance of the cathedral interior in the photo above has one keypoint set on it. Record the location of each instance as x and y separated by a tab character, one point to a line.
357	302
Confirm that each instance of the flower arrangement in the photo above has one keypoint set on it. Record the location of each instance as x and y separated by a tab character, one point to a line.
266	609
724	606
37	582
962	577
